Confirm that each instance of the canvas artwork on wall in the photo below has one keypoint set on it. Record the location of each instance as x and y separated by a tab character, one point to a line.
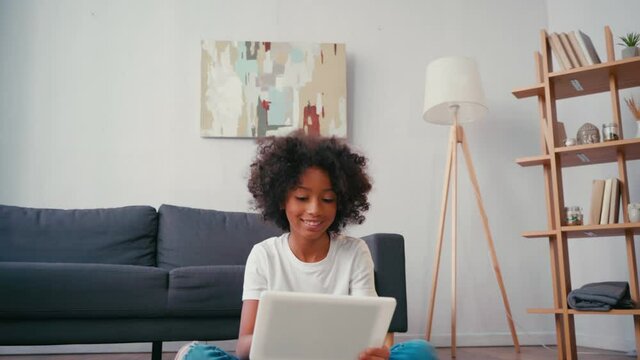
254	89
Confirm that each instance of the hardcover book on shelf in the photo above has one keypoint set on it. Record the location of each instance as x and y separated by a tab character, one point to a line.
558	52
606	203
567	47
585	40
597	192
615	201
582	58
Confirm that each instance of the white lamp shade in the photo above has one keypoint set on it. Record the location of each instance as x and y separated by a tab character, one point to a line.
451	81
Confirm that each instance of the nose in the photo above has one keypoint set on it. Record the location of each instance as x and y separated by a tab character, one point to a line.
314	207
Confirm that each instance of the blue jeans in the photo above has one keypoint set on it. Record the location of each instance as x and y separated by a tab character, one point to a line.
409	350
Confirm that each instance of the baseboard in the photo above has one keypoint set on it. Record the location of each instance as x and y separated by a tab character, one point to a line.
525	339
485	339
169	346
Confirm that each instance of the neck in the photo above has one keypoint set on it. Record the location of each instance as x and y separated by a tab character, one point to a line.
310	250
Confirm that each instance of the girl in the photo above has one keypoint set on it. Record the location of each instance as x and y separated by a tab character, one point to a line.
311	187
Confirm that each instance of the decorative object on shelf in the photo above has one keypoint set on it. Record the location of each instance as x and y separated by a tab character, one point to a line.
572	215
254	89
454	95
610	132
560	134
630	41
634	212
588	134
570	141
635	110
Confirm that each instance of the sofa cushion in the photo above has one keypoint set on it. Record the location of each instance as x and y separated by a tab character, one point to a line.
123	235
196	237
206	291
52	290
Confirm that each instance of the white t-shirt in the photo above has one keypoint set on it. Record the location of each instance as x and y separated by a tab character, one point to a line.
346	270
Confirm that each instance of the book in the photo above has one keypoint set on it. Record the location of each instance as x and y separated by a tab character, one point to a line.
567	47
606	203
558	52
582	58
597	191
588	45
615	201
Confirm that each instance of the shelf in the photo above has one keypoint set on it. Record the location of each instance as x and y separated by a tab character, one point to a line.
538	234
581	312
536	90
588	154
603	152
533	160
591	79
595	78
587	231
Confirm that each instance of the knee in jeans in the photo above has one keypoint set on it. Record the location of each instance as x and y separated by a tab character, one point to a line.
414	349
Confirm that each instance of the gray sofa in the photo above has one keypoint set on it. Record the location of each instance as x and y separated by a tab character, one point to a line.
134	274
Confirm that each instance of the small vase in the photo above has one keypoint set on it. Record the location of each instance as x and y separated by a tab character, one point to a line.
634	212
630	52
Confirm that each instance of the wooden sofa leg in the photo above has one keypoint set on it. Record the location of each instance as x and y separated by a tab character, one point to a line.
156	350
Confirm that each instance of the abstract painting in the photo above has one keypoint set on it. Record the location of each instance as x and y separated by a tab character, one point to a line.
253	89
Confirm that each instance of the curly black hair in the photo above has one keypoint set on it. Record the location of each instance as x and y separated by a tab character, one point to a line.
281	161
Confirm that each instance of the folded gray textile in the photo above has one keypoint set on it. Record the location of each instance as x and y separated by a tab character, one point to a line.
602	296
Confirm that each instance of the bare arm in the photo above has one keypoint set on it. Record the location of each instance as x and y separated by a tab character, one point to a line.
247	323
381	353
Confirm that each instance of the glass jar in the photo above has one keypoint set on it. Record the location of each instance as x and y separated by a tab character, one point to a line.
610	132
573	215
634	212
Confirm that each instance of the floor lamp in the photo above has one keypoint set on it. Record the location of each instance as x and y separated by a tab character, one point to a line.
453	95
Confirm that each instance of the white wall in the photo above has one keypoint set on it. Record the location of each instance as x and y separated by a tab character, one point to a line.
99	106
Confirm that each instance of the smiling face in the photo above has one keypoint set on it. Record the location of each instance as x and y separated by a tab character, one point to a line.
311	205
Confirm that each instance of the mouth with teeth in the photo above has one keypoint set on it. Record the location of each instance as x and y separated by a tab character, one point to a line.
313	225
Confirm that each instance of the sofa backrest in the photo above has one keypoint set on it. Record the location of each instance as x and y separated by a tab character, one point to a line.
196	237
125	235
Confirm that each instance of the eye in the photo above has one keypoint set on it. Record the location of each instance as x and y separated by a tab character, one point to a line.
329	200
301	198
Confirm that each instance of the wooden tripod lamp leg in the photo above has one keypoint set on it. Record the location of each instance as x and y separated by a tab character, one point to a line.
454	234
443	214
487	231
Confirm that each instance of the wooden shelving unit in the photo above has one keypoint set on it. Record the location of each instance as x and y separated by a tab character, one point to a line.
610	76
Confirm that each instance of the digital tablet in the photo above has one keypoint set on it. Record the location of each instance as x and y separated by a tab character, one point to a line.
303	326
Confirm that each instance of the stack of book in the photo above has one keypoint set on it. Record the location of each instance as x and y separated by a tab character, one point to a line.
573	50
605	201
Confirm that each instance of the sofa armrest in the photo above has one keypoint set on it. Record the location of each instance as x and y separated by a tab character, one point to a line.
387	251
